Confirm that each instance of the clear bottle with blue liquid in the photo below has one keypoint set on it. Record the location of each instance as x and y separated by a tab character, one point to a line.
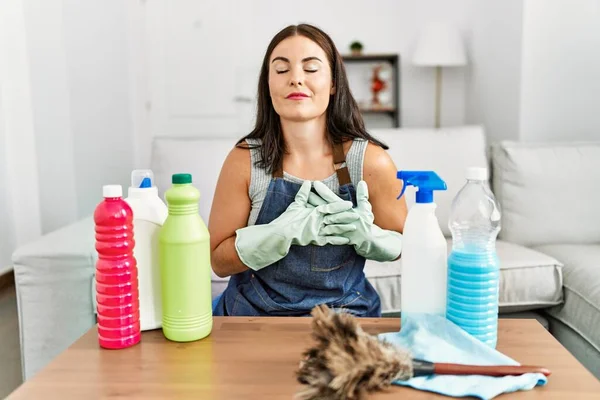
473	264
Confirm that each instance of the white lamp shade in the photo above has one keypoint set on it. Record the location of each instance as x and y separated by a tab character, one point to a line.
439	45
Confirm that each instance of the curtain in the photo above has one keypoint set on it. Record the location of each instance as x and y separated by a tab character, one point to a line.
19	186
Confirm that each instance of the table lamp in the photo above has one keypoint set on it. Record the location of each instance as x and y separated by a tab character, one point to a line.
439	45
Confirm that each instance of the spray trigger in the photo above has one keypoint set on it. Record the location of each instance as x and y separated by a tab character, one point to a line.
425	182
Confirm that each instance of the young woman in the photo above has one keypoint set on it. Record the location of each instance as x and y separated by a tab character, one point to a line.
287	223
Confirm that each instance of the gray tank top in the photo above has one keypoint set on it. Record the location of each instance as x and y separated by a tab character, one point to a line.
260	179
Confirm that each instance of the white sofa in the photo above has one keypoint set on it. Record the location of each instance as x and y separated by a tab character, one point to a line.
54	275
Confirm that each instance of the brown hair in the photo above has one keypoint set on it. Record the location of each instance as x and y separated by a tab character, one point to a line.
344	120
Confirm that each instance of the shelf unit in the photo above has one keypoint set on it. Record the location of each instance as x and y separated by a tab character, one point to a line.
394	61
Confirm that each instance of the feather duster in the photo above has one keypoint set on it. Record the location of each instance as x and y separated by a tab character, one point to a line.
348	363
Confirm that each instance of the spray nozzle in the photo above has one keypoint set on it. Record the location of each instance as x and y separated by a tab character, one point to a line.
142	178
146	183
425	182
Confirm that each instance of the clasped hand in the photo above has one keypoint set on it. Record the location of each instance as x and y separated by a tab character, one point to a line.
320	219
300	224
357	224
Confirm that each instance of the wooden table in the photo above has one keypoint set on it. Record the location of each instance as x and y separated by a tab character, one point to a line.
256	358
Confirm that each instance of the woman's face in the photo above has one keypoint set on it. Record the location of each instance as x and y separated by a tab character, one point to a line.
299	79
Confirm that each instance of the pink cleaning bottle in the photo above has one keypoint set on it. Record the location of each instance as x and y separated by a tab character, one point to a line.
117	292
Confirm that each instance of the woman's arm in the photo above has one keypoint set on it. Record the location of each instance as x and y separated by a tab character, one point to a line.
379	172
229	211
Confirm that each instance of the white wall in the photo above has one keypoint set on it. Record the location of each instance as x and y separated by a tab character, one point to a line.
97	56
560	70
494	70
80	89
51	105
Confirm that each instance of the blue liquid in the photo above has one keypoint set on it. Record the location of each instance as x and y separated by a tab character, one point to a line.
473	284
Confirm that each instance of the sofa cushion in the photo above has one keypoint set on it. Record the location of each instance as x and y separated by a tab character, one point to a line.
536	184
528	279
581	308
447	151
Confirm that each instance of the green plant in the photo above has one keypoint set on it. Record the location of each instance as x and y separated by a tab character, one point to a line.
356	46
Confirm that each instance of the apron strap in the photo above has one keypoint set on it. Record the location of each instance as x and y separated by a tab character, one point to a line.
341	167
339	161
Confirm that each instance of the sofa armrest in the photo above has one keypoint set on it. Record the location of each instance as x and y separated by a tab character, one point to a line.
53	279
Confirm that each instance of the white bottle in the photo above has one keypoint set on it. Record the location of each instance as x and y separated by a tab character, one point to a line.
424	249
149	214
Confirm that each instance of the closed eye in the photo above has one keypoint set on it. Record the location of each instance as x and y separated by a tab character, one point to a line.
310	71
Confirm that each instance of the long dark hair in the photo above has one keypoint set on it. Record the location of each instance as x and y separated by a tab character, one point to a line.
344	121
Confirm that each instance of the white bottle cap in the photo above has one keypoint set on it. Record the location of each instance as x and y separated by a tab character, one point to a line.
111	191
477	174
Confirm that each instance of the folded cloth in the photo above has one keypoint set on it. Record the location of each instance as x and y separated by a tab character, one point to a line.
435	339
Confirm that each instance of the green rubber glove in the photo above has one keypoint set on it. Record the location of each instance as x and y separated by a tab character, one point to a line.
369	240
261	245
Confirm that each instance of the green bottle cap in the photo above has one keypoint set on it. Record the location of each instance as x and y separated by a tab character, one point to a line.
181	178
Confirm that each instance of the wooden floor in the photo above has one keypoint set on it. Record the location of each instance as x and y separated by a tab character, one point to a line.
10	355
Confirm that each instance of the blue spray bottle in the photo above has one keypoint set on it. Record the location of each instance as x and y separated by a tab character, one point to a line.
424	249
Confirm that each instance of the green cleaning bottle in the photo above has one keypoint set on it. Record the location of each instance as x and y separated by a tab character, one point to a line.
184	249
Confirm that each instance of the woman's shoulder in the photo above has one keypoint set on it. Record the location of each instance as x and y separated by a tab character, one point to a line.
377	161
237	164
245	149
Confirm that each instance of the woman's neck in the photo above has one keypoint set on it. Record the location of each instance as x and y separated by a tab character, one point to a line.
309	153
306	139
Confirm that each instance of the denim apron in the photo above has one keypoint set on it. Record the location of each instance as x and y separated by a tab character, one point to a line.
308	275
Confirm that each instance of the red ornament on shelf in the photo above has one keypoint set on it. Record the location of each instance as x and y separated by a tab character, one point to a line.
377	85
